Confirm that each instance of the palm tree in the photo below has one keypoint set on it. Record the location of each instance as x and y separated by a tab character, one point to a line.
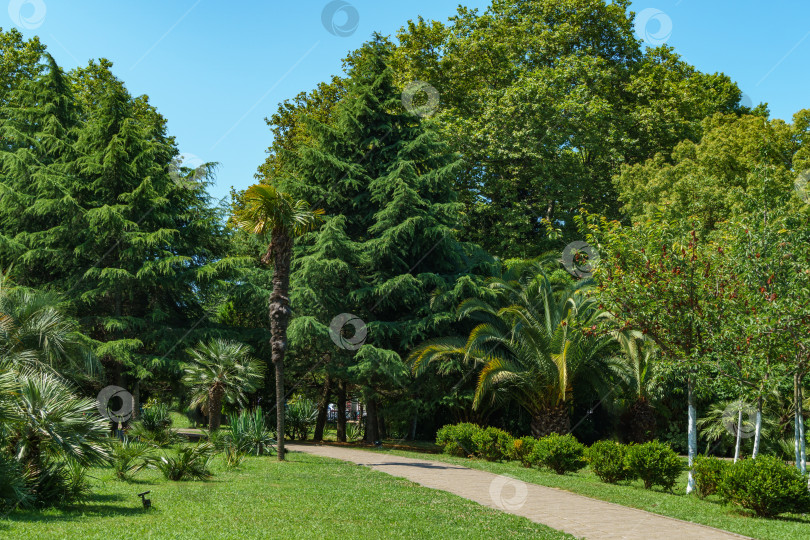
36	334
638	351
534	350
268	211
50	423
221	371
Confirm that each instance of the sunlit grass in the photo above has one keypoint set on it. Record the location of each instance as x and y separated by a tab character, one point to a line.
307	497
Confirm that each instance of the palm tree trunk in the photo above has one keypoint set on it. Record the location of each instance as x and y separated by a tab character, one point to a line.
341	411
214	408
552	420
323	406
691	434
279	310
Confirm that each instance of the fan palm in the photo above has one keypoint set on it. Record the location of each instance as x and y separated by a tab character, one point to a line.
270	212
36	334
534	350
50	423
221	371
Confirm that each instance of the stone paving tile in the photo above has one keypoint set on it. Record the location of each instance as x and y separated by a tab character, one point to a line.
574	514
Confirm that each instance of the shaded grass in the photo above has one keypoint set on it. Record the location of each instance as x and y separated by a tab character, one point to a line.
308	496
710	511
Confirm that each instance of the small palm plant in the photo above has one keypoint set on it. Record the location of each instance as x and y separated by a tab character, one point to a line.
188	463
221	371
130	457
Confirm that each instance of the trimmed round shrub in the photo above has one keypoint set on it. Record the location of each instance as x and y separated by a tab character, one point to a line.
607	461
708	473
655	463
765	485
560	453
457	439
492	443
521	450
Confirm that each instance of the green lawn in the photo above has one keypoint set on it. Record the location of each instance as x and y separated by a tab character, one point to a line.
307	497
710	511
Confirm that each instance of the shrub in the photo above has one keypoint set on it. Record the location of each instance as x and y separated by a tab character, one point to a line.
300	416
492	443
607	461
521	450
129	457
13	489
457	440
155	416
249	434
353	431
55	483
189	463
655	463
765	485
560	453
708	473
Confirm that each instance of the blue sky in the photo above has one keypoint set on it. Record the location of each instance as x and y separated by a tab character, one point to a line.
217	69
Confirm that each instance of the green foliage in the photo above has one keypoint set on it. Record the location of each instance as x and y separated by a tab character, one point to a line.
708	473
654	463
300	417
765	485
14	491
221	371
458	439
522	450
190	462
129	457
560	453
155	416
249	434
608	461
353	431
492	444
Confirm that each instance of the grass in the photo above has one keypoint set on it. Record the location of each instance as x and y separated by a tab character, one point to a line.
710	511
179	420
308	497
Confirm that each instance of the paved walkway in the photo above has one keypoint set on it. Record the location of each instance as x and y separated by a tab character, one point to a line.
575	514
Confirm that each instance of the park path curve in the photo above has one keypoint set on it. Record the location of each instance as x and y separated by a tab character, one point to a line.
574	514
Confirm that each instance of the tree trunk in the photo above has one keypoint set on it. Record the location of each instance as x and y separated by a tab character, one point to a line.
691	435
279	310
757	429
553	420
323	408
739	434
639	422
802	444
413	426
136	400
371	422
214	408
797	414
341	411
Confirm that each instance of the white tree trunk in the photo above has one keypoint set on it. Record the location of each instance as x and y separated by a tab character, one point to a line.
796	441
739	435
758	429
691	437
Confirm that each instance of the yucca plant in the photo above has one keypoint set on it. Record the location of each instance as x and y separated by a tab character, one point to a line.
249	433
233	456
353	431
130	457
188	463
300	417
